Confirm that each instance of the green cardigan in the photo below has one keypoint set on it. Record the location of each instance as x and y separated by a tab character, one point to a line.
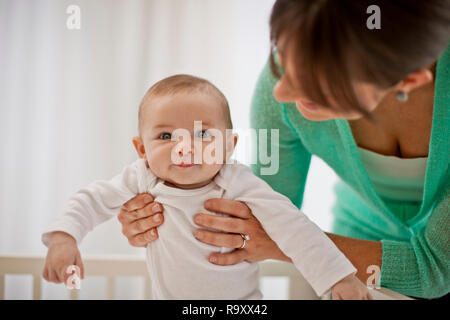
415	244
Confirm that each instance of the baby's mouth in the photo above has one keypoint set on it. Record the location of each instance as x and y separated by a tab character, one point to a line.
185	165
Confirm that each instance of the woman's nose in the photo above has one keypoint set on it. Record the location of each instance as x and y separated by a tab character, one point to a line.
283	92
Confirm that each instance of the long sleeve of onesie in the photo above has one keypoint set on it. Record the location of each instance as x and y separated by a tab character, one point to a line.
312	252
97	203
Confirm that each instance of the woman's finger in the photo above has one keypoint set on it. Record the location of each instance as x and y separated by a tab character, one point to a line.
227	206
138	202
225	224
147	211
125	216
219	239
142	225
143	239
225	259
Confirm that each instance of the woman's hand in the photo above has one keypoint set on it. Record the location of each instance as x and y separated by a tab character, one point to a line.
259	247
140	217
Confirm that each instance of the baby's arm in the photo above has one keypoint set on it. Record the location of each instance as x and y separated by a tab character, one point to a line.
84	210
92	205
96	203
311	251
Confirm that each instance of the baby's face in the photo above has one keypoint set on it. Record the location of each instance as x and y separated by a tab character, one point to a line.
174	151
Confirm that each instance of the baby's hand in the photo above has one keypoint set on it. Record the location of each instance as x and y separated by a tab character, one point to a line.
350	288
62	252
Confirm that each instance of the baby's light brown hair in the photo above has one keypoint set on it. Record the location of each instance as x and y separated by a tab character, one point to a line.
184	83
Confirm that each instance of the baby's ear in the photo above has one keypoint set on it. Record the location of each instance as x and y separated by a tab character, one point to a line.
232	140
235	139
139	146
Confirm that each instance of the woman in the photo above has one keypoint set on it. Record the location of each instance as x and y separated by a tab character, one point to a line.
375	107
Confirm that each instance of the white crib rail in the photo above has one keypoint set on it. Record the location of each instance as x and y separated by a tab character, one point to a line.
22	265
112	267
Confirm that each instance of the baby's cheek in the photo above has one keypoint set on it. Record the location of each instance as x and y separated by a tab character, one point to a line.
214	153
157	161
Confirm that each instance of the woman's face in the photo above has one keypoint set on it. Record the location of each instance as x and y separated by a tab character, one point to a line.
287	90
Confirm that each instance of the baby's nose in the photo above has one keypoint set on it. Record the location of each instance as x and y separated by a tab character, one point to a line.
185	149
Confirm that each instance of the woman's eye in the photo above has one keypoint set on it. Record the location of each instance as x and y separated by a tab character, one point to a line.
202	134
165	136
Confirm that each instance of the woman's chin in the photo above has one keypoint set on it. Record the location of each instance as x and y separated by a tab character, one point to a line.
319	113
314	116
323	114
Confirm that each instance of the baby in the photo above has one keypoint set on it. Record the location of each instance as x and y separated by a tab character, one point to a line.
185	143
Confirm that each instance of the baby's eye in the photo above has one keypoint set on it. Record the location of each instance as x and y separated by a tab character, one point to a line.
165	136
203	134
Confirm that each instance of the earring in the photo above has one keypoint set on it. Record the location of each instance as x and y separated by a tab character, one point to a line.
401	96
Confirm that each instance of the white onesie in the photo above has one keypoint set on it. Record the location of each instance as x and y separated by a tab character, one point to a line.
177	262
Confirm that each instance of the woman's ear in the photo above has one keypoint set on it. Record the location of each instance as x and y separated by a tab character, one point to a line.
139	146
415	80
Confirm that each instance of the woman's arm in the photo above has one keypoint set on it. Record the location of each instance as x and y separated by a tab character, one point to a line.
361	253
418	268
421	266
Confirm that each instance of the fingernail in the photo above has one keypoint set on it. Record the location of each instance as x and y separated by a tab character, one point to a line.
157	218
153	232
198	219
148	199
199	235
213	259
156	208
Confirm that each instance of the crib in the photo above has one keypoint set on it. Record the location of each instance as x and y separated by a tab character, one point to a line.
112	267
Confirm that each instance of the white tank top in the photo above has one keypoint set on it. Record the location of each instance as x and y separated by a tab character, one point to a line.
393	177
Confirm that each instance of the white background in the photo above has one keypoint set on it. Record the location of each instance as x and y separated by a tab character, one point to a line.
69	98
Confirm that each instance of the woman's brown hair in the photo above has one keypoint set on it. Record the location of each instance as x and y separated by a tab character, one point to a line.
336	47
